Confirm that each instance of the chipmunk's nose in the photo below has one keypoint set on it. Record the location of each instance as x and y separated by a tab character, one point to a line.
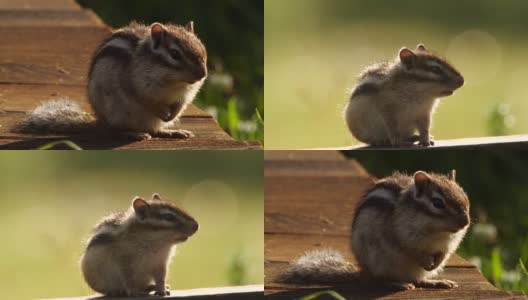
463	220
460	81
194	227
198	74
201	73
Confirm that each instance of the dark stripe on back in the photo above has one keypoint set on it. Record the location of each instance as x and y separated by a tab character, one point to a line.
378	202
101	239
119	53
365	88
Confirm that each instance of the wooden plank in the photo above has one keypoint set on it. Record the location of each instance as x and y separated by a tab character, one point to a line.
39	4
66	40
467	278
310	163
235	293
359	294
39	18
478	143
287	247
96	143
313	168
303	156
208	133
312	205
25	97
48	55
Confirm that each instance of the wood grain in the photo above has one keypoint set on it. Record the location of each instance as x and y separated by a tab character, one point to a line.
39	4
208	135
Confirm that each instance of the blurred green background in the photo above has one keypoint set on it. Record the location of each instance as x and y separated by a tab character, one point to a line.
51	201
314	50
233	33
495	181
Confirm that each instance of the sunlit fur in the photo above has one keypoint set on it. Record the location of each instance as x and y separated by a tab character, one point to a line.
399	238
393	101
133	85
395	241
129	252
319	266
133	94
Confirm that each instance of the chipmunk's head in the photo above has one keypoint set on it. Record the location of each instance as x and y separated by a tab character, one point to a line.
165	217
440	202
180	51
432	73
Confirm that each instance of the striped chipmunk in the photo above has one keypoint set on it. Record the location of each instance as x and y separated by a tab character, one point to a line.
140	81
129	252
404	230
393	101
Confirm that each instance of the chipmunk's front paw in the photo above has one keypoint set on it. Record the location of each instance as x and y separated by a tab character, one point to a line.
437	284
174	134
400	286
137	136
426	142
162	293
430	266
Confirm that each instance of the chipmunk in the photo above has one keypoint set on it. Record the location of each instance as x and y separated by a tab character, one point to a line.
140	81
392	101
129	252
404	230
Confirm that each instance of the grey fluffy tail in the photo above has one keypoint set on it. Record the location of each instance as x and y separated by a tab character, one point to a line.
60	116
325	266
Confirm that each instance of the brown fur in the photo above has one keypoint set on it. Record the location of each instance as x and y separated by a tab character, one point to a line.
393	103
129	252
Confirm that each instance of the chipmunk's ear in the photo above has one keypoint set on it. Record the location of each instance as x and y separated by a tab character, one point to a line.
407	57
452	175
156	197
421	181
157	31
189	26
421	47
140	206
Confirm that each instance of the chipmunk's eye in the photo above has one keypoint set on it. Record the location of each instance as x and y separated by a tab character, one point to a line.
168	217
436	70
438	203
175	54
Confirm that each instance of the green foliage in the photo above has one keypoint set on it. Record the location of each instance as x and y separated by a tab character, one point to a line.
237	271
233	32
332	294
496	267
500	120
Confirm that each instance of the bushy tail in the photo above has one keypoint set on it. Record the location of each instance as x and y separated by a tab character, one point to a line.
60	116
320	266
